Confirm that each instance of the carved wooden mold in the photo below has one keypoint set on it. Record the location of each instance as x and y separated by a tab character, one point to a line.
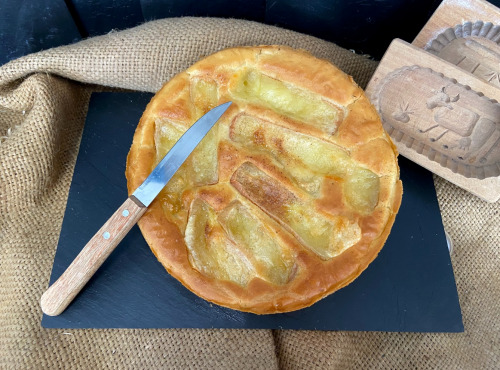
441	119
473	47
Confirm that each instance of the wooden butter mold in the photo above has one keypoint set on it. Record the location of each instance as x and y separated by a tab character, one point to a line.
468	19
466	34
441	117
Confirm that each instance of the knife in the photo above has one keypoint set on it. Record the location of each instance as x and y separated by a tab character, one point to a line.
60	294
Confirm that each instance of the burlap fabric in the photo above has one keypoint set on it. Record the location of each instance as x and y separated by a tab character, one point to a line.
43	102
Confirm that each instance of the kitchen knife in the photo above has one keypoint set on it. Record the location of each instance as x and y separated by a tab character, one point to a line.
55	300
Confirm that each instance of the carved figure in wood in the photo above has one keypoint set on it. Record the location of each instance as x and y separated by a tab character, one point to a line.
442	119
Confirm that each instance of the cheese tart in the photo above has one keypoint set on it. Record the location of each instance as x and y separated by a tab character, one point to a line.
287	199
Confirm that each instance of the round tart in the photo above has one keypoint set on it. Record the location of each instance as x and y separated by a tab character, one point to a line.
288	198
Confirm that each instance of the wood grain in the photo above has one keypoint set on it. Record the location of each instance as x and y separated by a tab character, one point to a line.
465	34
55	300
438	117
455	12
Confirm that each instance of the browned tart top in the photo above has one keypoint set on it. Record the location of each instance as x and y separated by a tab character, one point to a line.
287	199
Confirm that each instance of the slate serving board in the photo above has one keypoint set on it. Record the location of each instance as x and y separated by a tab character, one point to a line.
409	287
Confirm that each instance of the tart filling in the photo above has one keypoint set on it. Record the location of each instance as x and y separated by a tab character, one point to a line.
288	198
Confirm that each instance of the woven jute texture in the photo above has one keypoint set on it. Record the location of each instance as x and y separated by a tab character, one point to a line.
43	103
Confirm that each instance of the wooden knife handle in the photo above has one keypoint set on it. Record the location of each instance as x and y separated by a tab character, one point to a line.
55	300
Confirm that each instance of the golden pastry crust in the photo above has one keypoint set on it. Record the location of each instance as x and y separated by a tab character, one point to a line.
289	197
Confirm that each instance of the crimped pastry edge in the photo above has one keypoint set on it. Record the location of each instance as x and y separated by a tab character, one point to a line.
158	231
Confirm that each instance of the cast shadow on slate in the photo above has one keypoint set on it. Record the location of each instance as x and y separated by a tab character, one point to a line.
409	287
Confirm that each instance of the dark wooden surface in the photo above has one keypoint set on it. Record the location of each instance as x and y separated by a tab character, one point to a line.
366	26
27	26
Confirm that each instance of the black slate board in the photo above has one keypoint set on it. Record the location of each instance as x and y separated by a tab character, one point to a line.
409	287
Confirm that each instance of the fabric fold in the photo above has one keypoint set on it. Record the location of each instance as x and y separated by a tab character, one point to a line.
144	57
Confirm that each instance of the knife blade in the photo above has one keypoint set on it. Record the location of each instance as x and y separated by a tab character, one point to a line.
60	294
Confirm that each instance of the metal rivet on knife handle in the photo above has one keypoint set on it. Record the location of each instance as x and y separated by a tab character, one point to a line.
55	300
